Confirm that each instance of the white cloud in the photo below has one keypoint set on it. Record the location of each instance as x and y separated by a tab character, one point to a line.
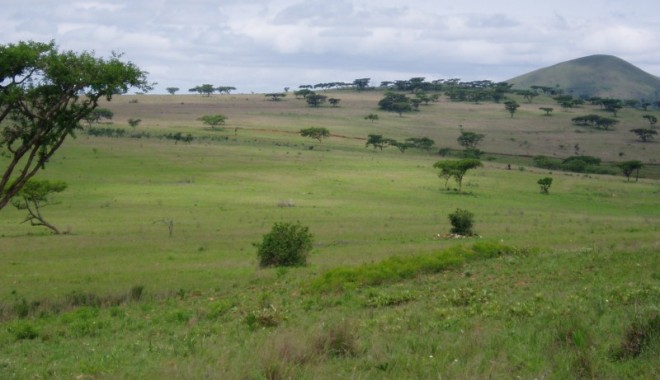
269	44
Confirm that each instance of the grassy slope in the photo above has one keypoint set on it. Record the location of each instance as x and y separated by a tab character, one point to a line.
596	270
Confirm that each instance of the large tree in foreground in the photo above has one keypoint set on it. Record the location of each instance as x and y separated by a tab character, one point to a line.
44	95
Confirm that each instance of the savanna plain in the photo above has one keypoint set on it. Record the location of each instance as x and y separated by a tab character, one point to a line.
157	274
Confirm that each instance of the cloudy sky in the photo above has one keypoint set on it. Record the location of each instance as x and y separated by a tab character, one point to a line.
266	45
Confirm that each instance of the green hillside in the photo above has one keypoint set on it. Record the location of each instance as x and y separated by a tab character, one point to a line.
594	75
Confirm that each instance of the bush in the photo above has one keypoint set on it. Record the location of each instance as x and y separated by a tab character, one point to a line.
287	244
462	222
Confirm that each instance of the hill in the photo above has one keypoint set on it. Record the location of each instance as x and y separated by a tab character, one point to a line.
595	75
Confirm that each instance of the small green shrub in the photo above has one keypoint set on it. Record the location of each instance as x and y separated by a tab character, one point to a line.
545	184
287	244
462	222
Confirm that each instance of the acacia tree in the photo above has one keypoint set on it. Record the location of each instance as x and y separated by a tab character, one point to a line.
644	134
213	121
204	89
44	95
651	119
628	167
315	100
511	106
315	133
456	169
376	141
33	197
97	114
469	140
172	90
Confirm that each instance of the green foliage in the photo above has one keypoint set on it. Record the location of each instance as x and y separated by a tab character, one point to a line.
134	122
595	121
395	102
462	222
630	167
45	94
644	134
511	106
372	117
35	195
545	184
315	133
204	89
456	169
397	269
642	336
213	120
97	114
315	100
172	90
469	140
287	244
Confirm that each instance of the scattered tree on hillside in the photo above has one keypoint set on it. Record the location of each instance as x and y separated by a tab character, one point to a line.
511	106
651	119
372	116
612	105
361	84
44	94
33	197
315	133
376	141
628	167
595	121
304	93
469	140
205	89
456	169
547	110
275	96
423	143
172	90
225	89
644	134
334	101
97	114
134	122
213	121
315	100
395	102
528	95
545	184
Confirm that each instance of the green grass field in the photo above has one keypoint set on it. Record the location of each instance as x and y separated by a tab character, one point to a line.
568	286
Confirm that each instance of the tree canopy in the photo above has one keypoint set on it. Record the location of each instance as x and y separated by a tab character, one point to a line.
456	169
44	94
315	133
628	167
644	134
34	196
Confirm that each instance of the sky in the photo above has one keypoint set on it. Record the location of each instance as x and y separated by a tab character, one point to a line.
267	45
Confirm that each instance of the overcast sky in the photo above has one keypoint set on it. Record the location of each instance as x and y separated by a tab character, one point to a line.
266	45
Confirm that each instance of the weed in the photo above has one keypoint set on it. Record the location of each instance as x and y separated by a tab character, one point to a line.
639	336
338	339
24	331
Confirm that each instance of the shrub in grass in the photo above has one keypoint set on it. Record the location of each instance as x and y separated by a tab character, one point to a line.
545	184
462	222
287	244
24	331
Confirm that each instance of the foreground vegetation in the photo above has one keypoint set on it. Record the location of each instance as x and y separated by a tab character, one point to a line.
158	276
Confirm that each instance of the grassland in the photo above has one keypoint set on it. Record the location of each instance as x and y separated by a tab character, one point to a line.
568	283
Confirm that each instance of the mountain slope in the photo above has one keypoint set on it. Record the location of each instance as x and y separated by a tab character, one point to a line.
595	75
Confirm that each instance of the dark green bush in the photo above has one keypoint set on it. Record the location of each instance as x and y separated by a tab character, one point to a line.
462	222
287	244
